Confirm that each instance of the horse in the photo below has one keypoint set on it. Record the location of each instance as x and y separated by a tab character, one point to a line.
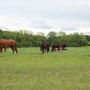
59	46
4	44
55	47
63	46
44	47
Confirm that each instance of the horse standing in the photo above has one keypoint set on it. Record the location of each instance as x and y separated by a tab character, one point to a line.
44	47
55	47
4	44
63	46
58	47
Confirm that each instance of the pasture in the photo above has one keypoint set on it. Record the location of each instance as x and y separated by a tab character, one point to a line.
32	70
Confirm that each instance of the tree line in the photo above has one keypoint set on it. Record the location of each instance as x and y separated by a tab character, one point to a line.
25	38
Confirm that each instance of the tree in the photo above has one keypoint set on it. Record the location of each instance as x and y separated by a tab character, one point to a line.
52	34
61	33
62	37
76	39
52	37
40	33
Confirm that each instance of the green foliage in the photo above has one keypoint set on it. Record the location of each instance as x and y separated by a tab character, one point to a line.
76	39
89	43
25	38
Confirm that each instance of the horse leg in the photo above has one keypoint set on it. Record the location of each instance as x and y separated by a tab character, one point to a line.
52	49
47	49
0	49
43	50
12	49
5	49
58	49
16	49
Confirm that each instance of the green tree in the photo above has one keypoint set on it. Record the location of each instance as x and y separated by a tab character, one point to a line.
52	37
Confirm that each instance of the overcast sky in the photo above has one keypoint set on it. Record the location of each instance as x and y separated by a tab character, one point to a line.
46	15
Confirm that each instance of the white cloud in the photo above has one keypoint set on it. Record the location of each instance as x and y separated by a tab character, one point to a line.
46	15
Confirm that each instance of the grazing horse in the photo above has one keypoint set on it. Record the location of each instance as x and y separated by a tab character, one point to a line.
63	46
58	47
44	47
55	47
4	44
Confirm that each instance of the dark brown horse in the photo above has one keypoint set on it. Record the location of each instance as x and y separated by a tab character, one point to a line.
61	46
4	44
55	47
44	47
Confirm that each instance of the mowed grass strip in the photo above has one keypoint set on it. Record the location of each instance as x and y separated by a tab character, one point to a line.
32	70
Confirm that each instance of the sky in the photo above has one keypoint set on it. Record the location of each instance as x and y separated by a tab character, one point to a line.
45	15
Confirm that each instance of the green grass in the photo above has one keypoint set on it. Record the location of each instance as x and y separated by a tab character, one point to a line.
31	70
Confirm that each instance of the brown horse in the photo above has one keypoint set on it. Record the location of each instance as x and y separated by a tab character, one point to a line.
55	47
60	46
44	47
4	44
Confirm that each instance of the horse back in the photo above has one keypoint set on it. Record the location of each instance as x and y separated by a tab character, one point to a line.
7	43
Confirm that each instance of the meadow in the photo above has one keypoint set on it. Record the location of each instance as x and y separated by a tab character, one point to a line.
32	70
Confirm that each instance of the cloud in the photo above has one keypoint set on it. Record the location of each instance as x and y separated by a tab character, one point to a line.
3	27
69	15
40	24
87	33
68	28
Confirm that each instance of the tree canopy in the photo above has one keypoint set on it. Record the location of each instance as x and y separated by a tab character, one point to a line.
25	38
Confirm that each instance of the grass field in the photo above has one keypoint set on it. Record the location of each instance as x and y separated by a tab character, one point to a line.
31	70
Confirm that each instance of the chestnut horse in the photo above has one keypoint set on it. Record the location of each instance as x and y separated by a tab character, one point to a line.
4	44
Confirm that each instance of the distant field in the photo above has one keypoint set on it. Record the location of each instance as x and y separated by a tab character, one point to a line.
31	70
